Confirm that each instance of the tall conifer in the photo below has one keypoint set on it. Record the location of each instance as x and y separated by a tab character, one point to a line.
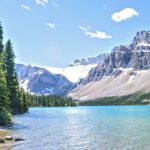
1	38
5	116
10	75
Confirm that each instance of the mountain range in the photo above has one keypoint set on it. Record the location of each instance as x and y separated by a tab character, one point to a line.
52	80
124	71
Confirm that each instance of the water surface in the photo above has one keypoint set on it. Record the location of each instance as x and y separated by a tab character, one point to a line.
84	128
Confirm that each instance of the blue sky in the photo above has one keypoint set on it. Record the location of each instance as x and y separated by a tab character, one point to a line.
55	32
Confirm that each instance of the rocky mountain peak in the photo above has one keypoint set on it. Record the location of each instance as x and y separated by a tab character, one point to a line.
135	55
141	41
90	61
49	80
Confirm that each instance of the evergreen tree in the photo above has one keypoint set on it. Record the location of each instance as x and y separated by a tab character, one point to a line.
12	84
21	101
18	98
12	97
1	38
25	101
51	101
5	116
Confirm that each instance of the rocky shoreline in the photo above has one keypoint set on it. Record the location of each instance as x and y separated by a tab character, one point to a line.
5	144
7	140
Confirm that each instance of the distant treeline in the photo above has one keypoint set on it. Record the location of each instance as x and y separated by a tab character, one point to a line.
50	101
138	98
13	99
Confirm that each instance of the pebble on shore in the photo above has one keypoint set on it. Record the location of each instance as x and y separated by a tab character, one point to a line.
2	140
8	138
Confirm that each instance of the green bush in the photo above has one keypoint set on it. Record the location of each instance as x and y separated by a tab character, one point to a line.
5	117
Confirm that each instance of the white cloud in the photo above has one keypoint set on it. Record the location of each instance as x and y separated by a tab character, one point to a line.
124	14
51	25
97	34
25	7
42	2
85	29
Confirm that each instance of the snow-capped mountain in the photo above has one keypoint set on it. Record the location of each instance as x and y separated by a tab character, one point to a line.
79	68
73	73
90	61
103	75
136	55
52	80
123	72
40	81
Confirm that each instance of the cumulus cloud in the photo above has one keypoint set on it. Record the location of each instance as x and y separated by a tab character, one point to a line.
42	2
51	25
25	7
97	34
124	14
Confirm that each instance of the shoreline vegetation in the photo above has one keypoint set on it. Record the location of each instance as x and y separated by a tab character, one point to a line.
13	99
139	98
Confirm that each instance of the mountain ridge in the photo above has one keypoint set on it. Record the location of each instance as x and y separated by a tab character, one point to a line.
31	77
124	60
135	56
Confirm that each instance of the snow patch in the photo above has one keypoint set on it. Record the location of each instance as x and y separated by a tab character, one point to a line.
143	44
84	97
24	84
131	78
72	73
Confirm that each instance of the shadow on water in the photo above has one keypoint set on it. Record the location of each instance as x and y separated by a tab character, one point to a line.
16	126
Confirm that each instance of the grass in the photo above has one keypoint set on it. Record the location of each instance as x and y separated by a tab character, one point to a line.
132	99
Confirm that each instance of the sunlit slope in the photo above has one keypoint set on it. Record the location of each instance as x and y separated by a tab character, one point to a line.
127	82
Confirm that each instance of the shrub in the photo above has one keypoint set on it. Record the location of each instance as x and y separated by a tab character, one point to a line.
5	116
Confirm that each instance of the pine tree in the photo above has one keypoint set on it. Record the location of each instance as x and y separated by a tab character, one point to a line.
25	101
17	97
18	101
1	38
10	75
5	116
12	98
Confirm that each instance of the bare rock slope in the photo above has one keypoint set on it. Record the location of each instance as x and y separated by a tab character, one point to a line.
126	70
125	83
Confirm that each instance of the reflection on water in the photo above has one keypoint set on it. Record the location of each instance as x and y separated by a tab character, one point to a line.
84	128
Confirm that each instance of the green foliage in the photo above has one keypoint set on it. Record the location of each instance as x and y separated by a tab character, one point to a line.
21	103
13	99
133	99
3	88
50	101
17	96
5	116
1	38
12	84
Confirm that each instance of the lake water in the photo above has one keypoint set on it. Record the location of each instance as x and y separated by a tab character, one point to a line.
84	128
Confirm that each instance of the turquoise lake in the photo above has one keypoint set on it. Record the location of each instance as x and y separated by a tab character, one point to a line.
84	128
